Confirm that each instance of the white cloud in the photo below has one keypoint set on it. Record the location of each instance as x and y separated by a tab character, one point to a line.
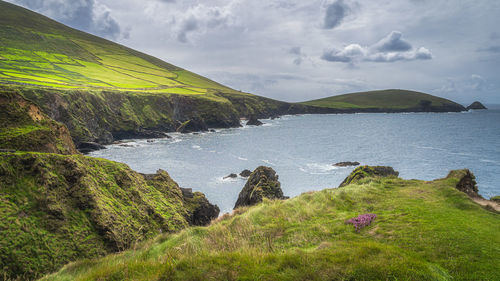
389	49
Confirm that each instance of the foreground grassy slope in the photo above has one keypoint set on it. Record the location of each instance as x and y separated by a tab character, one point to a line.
57	208
35	50
423	231
387	100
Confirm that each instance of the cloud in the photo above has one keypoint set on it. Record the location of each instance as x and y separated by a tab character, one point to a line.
299	55
491	49
392	43
389	49
87	15
201	18
335	14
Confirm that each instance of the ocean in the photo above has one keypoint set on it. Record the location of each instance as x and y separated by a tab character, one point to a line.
303	148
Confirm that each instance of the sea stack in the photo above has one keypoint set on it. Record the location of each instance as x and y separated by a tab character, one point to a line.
263	183
476	106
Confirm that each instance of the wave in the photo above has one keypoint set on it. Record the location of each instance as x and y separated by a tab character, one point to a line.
319	169
243	159
268	162
197	147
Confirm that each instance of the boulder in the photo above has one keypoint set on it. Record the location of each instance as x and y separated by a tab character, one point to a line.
245	173
369	171
254	121
476	105
87	147
231	176
200	212
346	164
263	183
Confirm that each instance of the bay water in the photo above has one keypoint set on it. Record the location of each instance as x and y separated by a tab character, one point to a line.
302	149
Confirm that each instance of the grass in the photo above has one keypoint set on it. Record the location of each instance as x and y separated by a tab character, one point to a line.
37	51
423	231
386	99
57	208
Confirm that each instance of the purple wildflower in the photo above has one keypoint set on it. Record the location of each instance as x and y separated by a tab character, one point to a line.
361	221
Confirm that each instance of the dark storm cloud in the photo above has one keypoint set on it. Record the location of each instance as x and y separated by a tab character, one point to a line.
335	14
86	15
389	49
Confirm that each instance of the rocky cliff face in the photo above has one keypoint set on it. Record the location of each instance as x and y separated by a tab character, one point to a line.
57	208
262	183
23	126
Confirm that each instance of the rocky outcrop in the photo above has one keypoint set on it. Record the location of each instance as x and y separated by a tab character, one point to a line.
467	182
200	211
231	176
245	173
495	199
476	106
87	147
23	126
346	164
253	121
263	183
369	171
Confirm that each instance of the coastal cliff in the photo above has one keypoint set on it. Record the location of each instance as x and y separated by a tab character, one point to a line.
59	208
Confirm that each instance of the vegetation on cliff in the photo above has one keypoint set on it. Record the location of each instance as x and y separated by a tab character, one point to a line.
24	127
418	230
57	208
393	100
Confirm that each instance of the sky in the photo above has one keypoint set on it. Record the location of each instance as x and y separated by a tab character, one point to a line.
299	50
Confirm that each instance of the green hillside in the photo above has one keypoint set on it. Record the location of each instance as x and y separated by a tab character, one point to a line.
35	50
392	99
57	208
422	231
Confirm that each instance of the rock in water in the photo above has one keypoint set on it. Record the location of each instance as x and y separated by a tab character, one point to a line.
369	171
254	121
263	183
245	173
231	176
476	105
346	164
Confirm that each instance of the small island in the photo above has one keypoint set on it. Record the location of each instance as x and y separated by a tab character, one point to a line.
476	106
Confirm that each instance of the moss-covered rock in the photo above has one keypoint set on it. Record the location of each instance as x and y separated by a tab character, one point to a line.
369	171
23	126
466	182
57	208
495	199
262	183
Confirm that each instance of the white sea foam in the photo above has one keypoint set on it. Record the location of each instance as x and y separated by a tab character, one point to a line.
243	159
267	162
197	147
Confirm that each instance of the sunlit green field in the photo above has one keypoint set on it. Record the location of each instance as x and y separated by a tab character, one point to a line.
37	51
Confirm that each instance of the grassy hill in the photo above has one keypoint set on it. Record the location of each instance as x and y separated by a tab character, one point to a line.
57	208
396	100
422	231
35	50
103	91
